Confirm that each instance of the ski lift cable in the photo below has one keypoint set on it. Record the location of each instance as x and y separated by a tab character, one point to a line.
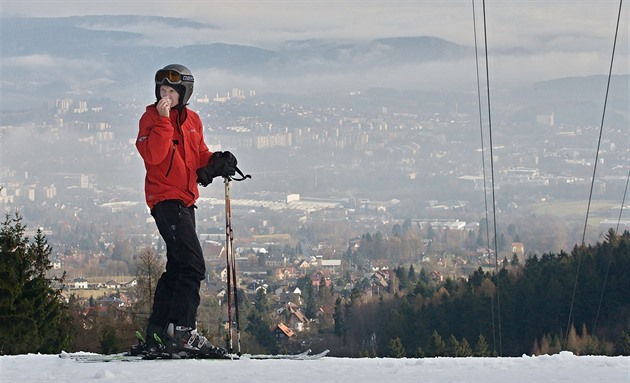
483	161
623	202
601	129
494	210
601	296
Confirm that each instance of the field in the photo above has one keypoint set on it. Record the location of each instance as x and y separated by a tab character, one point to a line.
95	292
577	209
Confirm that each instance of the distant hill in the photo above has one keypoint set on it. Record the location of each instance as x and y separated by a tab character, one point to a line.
99	56
576	100
82	37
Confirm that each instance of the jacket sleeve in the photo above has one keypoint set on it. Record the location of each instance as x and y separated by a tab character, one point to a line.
155	137
204	152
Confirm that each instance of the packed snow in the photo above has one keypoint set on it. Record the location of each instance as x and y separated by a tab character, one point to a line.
563	367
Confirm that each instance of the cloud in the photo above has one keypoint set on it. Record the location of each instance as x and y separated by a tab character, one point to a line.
30	62
509	23
55	66
44	70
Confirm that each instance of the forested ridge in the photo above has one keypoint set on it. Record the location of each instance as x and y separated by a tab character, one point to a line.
521	310
577	301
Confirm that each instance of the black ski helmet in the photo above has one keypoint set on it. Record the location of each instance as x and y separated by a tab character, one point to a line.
177	76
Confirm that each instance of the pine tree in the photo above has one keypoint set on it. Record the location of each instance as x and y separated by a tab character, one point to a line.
29	305
396	349
14	313
481	348
108	343
412	275
436	346
451	346
51	313
403	277
338	317
259	324
536	348
464	350
574	343
623	344
311	299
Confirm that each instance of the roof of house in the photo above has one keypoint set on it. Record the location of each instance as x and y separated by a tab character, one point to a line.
286	330
299	315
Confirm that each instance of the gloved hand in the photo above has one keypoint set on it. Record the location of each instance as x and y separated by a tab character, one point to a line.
221	164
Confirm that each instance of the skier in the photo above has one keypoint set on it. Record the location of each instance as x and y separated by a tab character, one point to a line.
176	158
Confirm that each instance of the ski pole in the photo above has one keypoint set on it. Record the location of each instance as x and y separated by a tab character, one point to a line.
235	289
228	250
231	263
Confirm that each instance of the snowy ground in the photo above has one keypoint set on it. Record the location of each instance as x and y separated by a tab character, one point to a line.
564	367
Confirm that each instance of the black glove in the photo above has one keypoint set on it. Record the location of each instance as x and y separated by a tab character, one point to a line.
221	164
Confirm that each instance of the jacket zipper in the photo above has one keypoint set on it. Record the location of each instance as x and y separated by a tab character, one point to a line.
175	142
170	164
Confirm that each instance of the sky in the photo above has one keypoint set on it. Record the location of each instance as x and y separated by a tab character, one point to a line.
563	367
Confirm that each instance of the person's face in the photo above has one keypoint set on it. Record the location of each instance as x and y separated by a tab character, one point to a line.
171	93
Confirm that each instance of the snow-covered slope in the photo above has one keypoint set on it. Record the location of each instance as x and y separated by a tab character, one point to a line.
564	367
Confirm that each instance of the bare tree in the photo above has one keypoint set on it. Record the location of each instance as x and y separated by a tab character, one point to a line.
149	267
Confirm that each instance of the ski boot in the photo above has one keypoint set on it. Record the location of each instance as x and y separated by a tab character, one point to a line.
186	342
150	347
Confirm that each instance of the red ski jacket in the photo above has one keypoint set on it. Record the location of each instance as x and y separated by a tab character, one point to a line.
173	149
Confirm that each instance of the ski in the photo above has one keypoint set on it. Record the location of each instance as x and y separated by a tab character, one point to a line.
100	358
126	357
306	355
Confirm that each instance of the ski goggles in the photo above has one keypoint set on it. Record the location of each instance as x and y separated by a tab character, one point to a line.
171	76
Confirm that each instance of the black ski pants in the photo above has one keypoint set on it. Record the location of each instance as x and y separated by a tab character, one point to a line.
177	292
